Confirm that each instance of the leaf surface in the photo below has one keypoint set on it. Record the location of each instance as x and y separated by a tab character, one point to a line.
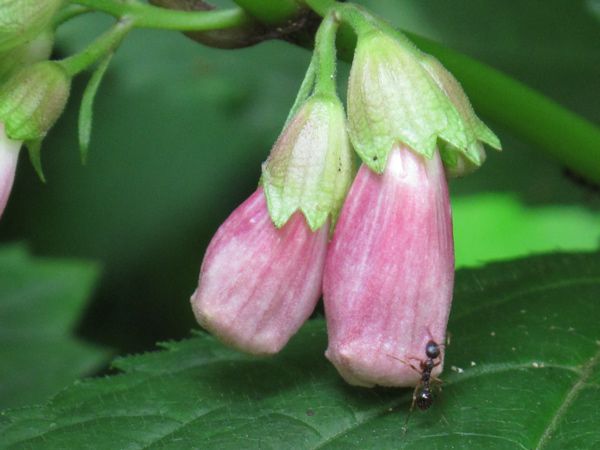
40	303
522	371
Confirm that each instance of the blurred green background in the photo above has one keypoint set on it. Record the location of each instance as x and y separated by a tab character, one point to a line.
180	131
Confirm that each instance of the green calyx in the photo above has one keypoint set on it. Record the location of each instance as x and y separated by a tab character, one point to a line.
38	49
397	94
22	20
32	100
460	161
310	167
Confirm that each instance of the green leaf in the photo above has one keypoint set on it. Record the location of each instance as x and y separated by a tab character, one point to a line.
594	7
495	226
40	303
87	103
522	371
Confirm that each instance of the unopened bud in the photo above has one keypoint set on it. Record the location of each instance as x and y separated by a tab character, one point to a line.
32	100
22	20
35	51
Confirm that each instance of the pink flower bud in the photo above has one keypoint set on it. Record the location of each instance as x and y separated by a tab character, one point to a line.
258	284
390	271
9	154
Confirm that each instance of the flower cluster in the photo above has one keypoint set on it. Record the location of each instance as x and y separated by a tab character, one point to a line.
387	272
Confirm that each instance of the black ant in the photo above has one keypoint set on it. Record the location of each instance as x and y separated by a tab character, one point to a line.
422	396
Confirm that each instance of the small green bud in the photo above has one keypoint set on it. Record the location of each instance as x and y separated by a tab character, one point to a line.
33	99
37	50
399	95
22	20
310	167
461	161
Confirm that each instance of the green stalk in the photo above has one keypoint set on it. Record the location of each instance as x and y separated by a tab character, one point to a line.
325	54
148	16
320	76
270	12
69	12
321	6
98	49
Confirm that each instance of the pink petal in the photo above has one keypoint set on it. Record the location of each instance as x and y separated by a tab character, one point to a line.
389	272
258	284
9	155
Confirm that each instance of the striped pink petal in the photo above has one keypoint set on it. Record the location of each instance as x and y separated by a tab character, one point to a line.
258	284
389	272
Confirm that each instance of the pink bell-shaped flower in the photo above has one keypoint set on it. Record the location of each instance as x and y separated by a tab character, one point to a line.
258	283
9	154
389	272
262	273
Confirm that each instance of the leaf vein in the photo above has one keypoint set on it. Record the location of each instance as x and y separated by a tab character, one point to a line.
581	383
182	425
465	433
496	368
519	293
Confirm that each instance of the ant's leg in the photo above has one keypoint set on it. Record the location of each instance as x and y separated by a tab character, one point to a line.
414	396
412	406
437	380
433	377
416	358
407	363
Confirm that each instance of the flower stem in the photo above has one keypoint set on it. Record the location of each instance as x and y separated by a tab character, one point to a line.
270	12
147	16
98	49
69	12
326	55
320	75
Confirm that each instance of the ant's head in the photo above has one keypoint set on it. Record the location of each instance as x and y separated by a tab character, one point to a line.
432	349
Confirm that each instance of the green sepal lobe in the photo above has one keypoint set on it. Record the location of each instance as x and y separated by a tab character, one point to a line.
310	167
